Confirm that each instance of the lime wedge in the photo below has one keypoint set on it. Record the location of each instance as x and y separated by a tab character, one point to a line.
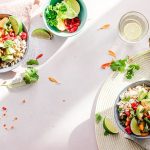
134	127
42	33
16	24
109	126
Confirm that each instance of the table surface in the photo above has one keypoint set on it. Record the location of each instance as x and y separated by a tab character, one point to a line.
61	117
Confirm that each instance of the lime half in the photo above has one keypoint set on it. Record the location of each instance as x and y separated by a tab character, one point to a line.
42	33
134	127
16	24
109	126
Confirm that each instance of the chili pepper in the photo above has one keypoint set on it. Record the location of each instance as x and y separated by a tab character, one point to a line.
39	56
148	117
106	65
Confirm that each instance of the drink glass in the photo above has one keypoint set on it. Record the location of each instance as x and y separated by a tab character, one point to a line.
133	26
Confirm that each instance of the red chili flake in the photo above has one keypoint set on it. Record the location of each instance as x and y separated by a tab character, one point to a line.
39	56
12	127
106	65
24	101
15	118
4	114
4	108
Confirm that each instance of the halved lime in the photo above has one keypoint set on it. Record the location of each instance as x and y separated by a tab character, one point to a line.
16	24
134	127
109	126
42	33
73	9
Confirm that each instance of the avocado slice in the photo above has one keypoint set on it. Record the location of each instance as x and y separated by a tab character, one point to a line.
10	50
7	57
139	112
142	95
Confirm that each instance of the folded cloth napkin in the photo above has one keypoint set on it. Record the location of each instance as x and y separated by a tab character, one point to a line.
22	9
144	143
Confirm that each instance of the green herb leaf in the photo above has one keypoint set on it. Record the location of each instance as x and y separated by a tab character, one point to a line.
30	75
106	133
126	99
32	62
51	16
131	70
98	117
119	65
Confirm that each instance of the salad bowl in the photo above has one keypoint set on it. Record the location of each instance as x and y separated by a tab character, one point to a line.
82	18
21	60
117	115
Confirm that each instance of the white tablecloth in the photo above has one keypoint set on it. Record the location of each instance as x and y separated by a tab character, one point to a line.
61	117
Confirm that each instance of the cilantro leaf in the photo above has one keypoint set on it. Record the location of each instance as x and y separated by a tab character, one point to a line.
51	16
30	75
98	117
131	70
32	62
119	65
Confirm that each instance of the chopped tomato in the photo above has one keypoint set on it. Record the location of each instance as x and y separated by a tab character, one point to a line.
127	113
72	24
134	105
128	130
5	37
23	35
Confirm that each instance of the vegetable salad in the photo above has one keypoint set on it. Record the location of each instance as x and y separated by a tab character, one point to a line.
64	15
12	41
134	110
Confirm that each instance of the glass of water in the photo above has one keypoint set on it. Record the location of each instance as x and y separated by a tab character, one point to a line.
133	26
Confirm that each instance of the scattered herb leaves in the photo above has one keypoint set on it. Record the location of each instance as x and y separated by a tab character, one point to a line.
119	65
30	75
98	117
32	62
131	70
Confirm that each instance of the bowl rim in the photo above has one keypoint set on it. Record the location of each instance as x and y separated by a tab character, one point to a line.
147	82
67	34
7	69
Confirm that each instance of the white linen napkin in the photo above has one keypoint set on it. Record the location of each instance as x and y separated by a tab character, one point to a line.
144	143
